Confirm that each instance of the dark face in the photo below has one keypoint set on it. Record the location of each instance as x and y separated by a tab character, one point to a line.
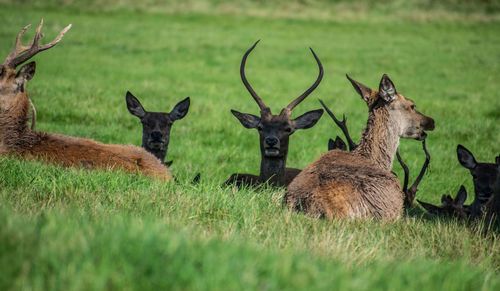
275	130
484	175
156	125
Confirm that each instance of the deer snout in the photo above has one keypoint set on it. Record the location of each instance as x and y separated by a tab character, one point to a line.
271	141
156	136
428	124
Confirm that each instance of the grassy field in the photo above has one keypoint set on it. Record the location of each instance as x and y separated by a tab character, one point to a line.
77	230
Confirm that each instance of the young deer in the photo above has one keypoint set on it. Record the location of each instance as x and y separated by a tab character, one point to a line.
274	132
156	125
17	139
359	184
485	176
338	143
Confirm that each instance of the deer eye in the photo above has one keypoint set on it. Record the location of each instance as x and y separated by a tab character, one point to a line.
412	107
288	129
260	127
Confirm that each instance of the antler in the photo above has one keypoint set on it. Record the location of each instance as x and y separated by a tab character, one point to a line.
342	124
411	192
256	97
301	98
21	53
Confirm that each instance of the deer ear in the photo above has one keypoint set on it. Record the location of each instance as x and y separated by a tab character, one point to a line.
465	157
308	119
337	144
387	90
247	120
362	90
461	196
180	109
134	106
27	72
432	209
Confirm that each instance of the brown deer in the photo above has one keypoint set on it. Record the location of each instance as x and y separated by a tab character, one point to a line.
338	143
17	139
274	132
359	184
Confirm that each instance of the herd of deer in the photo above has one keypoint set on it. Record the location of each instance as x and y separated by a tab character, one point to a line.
349	181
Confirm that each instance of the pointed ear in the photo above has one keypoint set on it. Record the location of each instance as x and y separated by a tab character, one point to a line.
308	119
27	72
362	90
432	209
387	90
247	120
180	110
465	157
461	196
331	144
134	106
339	144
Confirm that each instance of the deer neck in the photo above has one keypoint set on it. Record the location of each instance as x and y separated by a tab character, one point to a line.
159	154
14	122
272	169
380	139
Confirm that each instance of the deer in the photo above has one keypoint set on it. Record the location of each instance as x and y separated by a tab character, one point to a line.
274	133
360	184
156	126
17	139
338	143
485	177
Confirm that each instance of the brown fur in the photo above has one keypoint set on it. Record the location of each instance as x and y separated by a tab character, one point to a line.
359	184
17	139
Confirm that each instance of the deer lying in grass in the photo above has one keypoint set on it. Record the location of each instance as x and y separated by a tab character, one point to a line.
338	143
274	132
156	126
17	139
359	184
486	181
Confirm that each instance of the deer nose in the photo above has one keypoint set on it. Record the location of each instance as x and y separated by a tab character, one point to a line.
156	135
429	124
271	141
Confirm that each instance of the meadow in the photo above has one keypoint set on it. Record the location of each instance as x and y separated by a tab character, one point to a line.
71	229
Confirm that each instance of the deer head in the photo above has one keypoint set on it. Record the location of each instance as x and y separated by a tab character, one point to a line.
12	82
275	130
484	176
450	207
402	111
156	126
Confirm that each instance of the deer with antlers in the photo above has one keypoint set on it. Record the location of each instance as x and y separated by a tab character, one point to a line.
360	184
274	132
17	139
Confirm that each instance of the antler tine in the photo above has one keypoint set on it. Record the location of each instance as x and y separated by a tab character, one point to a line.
342	124
18	47
304	95
22	53
252	92
423	170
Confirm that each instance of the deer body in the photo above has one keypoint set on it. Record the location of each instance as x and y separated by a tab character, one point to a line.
17	139
360	184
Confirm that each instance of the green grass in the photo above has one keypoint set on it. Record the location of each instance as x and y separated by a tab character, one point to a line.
74	229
